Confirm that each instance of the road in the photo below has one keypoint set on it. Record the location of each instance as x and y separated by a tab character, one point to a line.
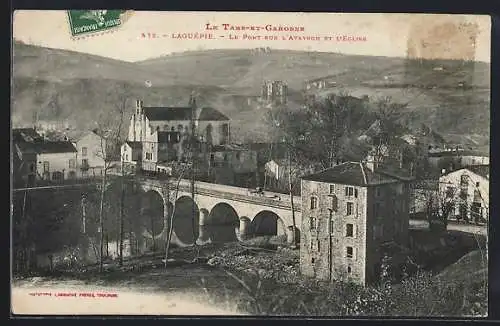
469	228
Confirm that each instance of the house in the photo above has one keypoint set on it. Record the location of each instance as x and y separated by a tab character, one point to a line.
277	173
131	151
351	213
469	188
233	164
455	158
93	152
39	159
131	154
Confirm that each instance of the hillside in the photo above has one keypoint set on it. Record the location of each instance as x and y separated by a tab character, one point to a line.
452	97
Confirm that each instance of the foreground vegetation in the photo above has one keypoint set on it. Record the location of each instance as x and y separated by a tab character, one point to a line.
260	277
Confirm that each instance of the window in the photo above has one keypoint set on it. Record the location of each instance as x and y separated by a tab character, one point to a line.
349	231
332	189
350	208
84	151
72	163
349	252
126	157
45	166
312	260
377	192
450	191
149	156
57	176
319	246
238	155
477	184
312	223
464	180
349	269
356	193
314	202
349	191
85	162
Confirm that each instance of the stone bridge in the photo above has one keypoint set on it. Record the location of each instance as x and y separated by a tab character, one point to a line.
221	213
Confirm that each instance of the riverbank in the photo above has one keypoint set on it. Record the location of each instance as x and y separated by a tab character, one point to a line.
244	278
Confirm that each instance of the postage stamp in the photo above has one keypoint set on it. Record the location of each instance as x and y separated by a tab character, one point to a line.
90	21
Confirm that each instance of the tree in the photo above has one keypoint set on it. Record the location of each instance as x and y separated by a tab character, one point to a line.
323	126
387	144
109	130
440	206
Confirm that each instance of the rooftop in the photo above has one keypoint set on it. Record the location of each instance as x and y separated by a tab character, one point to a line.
479	169
183	113
358	174
47	147
453	152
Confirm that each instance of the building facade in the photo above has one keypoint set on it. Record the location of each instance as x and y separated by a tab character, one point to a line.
349	213
165	132
274	92
91	153
470	191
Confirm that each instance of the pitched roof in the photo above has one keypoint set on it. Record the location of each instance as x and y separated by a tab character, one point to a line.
358	174
482	170
25	134
479	169
183	113
48	147
134	144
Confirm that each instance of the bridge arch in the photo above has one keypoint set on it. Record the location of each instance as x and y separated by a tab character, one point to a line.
223	223
186	220
267	222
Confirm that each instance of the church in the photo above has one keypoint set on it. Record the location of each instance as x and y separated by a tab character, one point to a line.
158	136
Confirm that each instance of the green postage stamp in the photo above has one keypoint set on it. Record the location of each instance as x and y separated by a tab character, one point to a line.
90	21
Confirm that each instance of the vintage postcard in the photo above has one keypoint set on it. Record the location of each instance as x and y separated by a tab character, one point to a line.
250	163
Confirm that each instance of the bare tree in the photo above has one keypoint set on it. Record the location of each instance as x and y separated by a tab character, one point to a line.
172	214
109	130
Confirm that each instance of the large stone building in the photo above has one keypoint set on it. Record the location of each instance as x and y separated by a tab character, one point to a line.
350	213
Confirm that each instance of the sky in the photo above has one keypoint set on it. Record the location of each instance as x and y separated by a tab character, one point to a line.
375	34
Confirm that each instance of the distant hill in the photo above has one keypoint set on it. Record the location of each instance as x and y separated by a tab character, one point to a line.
449	96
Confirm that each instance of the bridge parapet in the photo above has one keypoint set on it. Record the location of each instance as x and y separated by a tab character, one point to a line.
233	193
